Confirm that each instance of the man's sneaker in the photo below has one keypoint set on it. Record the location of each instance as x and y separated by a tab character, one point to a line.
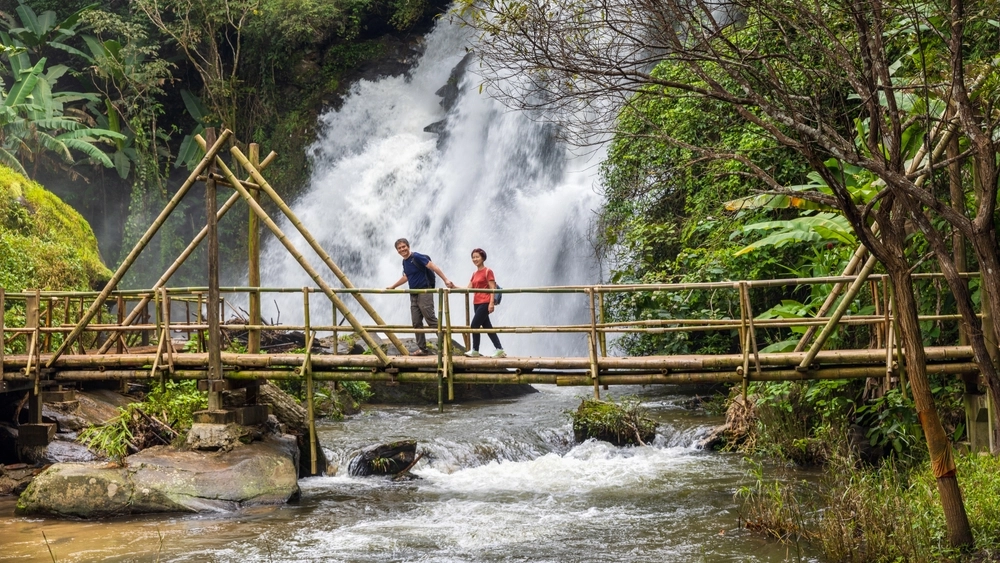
473	353
499	354
419	352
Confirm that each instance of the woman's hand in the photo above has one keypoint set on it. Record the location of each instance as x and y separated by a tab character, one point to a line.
490	309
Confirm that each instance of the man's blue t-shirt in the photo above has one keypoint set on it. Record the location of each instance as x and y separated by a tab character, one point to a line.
416	272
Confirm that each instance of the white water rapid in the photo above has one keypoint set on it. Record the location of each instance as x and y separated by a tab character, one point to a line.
498	182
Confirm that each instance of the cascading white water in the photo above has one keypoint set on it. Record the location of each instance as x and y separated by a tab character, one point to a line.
498	181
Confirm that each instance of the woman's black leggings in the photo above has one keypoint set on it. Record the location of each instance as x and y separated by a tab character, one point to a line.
482	320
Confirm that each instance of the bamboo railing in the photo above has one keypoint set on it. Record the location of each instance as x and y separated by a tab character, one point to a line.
55	317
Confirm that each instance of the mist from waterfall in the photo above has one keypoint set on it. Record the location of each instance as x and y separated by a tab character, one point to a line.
496	180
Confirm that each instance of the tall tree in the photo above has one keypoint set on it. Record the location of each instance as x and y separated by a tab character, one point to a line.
882	85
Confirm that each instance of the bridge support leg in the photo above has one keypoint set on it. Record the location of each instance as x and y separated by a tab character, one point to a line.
977	421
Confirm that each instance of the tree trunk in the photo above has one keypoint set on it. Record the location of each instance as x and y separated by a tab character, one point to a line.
942	459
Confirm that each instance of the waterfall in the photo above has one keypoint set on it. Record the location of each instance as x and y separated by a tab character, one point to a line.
494	179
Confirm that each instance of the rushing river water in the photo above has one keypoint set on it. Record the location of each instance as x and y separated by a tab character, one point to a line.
500	481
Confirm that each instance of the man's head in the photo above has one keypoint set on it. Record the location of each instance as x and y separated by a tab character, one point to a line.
403	248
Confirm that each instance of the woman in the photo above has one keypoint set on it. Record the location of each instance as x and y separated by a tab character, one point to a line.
483	278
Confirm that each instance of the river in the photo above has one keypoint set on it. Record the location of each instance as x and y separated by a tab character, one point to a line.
500	481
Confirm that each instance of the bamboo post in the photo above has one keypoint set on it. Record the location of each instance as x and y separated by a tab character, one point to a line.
145	334
890	340
214	332
845	303
141	244
335	332
592	346
166	330
440	350
280	235
750	327
449	363
600	311
744	340
31	320
308	373
468	322
233	199
317	248
120	337
201	333
48	324
253	260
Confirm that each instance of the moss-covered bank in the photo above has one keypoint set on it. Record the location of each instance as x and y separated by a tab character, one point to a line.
44	243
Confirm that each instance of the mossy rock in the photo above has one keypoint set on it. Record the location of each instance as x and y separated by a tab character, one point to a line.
44	243
624	423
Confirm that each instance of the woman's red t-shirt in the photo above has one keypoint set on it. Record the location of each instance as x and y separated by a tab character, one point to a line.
481	280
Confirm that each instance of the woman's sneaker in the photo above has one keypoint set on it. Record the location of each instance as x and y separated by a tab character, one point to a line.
499	354
473	353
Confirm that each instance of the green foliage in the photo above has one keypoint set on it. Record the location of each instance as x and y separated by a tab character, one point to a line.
879	514
114	439
360	391
175	403
132	431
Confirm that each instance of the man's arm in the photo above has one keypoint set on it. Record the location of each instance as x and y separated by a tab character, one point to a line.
398	283
433	267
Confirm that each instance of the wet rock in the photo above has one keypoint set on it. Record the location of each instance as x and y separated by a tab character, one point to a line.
165	479
384	459
15	477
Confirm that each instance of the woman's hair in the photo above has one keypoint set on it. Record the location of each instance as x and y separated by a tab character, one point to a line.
480	251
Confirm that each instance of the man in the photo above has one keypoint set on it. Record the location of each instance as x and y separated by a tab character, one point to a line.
417	270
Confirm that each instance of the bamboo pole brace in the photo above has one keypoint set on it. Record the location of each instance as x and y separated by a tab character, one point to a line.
290	247
317	248
832	297
156	358
440	351
845	303
210	154
191	247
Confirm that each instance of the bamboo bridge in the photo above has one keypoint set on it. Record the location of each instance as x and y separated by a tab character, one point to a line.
68	338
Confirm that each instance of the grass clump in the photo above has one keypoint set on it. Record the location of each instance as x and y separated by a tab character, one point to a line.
890	512
164	415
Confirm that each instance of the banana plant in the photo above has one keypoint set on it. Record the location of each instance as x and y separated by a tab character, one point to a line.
37	31
35	123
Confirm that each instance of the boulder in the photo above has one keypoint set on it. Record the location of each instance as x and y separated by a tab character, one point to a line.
624	423
384	459
165	479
